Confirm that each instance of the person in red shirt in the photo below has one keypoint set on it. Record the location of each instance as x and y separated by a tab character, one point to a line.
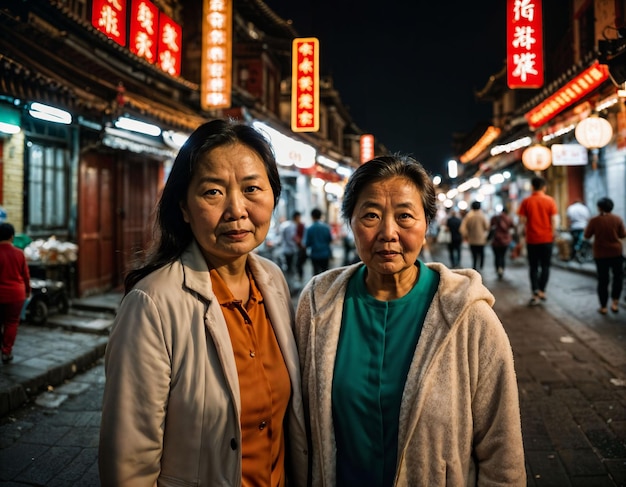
539	218
607	231
14	288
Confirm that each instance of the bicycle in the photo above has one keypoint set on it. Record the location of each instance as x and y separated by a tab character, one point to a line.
584	253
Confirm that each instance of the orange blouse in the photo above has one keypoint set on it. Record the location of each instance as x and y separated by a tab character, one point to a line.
264	385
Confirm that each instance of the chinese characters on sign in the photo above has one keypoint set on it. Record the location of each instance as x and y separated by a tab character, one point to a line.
143	29
215	87
524	40
109	17
152	35
169	43
367	147
575	90
305	91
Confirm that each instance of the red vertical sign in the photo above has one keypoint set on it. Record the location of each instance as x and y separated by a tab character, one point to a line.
169	45
144	24
524	39
109	17
305	85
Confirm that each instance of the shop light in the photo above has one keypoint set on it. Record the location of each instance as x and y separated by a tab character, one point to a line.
174	139
453	170
289	151
49	114
138	126
325	161
437	180
462	205
344	171
496	178
9	128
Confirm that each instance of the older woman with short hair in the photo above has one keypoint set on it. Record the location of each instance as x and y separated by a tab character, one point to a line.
408	374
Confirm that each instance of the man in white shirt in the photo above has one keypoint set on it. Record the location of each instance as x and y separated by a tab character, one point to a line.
577	217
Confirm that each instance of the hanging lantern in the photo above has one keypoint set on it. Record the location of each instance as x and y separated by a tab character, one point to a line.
537	157
594	132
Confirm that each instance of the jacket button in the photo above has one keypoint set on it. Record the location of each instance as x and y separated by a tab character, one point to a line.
233	443
252	354
262	425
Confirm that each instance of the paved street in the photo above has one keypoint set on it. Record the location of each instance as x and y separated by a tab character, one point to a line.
570	362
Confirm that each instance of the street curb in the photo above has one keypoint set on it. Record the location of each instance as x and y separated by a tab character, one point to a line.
20	393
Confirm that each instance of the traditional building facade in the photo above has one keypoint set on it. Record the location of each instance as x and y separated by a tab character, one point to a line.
70	168
585	51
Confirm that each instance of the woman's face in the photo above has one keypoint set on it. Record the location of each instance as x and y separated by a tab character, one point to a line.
389	225
229	203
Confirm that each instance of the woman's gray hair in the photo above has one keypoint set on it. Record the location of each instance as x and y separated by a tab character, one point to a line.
386	167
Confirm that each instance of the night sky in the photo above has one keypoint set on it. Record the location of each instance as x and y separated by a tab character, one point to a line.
407	70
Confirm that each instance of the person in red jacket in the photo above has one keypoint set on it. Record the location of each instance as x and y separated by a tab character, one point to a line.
14	289
539	218
607	231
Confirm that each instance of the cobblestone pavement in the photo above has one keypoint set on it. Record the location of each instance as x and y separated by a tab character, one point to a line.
571	368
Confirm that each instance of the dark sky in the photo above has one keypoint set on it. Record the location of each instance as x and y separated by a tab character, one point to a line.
407	69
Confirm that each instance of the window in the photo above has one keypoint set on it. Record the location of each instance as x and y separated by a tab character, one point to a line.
47	186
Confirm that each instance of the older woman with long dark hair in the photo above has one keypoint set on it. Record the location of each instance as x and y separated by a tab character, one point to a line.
408	373
202	377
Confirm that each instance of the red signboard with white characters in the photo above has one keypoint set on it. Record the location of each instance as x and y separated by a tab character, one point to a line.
109	17
524	40
217	53
572	92
367	147
170	37
144	27
305	85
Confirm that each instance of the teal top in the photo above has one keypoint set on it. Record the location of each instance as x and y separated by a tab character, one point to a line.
376	346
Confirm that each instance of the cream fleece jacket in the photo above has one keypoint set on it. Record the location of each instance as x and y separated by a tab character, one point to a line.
459	417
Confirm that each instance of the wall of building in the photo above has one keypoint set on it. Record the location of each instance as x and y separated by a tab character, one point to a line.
13	180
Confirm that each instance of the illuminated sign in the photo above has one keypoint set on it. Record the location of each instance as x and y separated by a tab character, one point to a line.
152	35
575	90
144	18
169	45
524	41
217	52
367	147
485	140
305	85
109	17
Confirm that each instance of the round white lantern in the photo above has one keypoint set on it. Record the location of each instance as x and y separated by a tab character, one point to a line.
537	157
594	132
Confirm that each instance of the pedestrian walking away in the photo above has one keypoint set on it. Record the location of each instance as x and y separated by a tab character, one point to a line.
607	231
317	240
456	239
393	351
502	227
202	379
474	229
288	244
577	217
539	222
14	289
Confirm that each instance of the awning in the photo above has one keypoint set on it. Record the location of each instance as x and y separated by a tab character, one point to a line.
139	144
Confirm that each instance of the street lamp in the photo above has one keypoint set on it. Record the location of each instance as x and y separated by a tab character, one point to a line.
594	133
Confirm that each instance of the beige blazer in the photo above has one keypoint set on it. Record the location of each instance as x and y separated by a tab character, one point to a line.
170	414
